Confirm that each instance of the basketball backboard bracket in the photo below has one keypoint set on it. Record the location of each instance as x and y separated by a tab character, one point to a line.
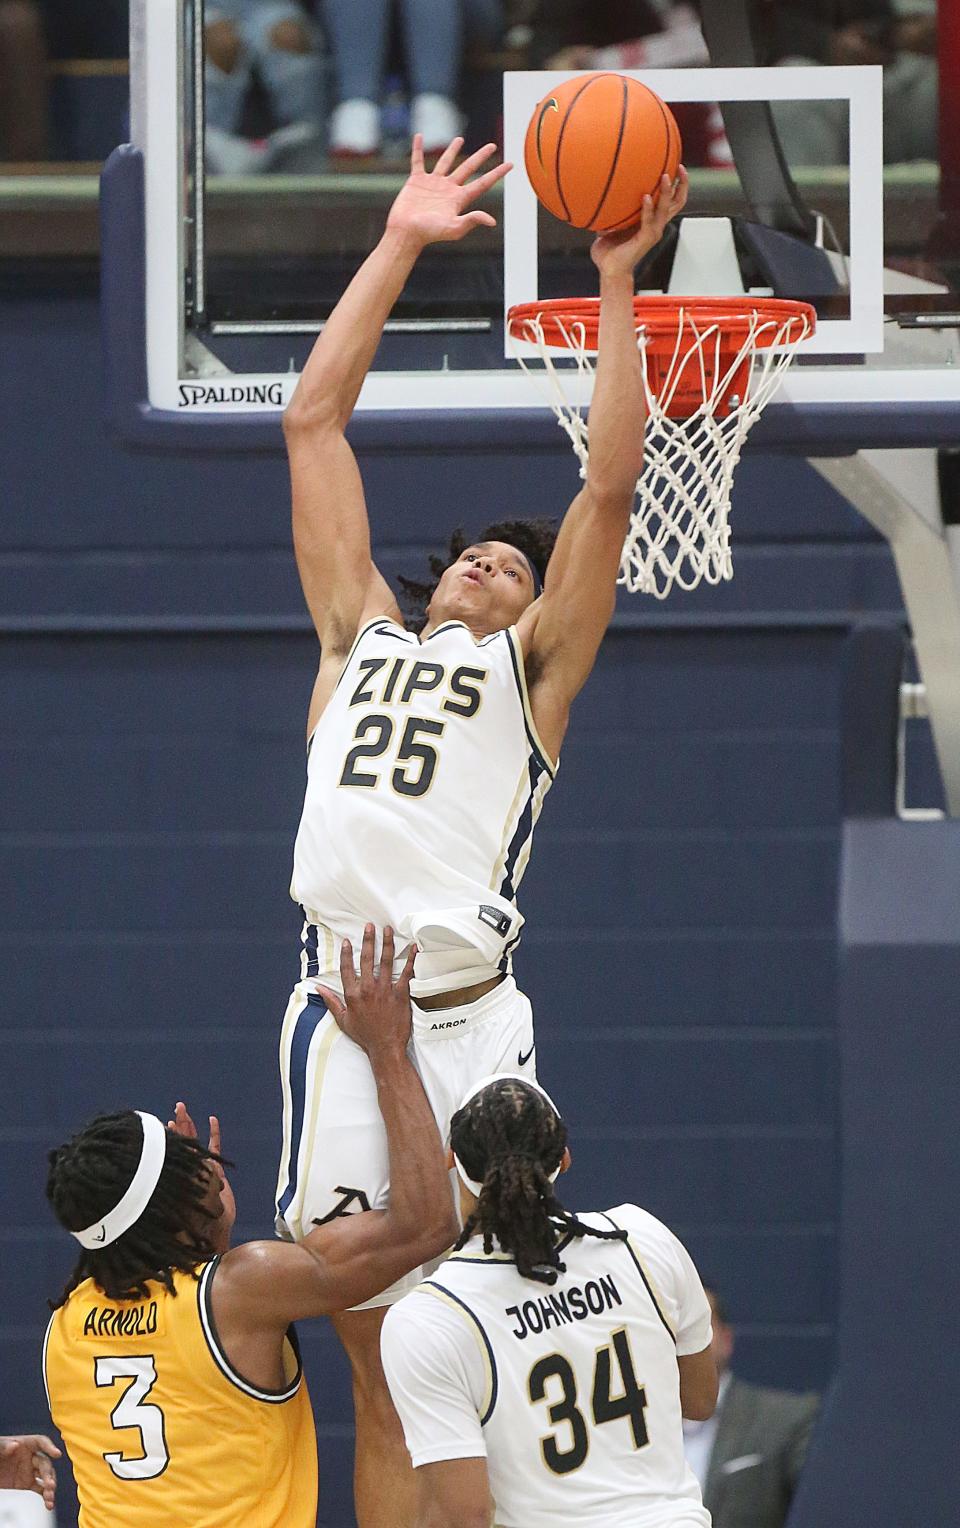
898	493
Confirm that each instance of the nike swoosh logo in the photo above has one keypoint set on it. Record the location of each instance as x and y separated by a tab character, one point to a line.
102	1236
551	105
523	1059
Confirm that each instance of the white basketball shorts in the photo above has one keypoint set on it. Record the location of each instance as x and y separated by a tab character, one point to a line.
334	1158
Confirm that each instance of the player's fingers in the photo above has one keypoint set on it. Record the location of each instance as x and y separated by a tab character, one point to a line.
671	194
416	155
183	1124
473	220
368	950
647	219
472	163
333	1001
386	957
214	1143
348	975
482	184
664	206
44	1445
668	193
449	156
406	975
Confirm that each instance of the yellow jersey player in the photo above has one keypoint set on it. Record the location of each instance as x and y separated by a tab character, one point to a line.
171	1365
431	749
547	1364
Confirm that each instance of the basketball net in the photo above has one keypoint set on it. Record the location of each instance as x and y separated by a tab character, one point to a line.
710	366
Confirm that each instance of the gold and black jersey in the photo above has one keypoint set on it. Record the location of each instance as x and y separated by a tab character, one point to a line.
159	1426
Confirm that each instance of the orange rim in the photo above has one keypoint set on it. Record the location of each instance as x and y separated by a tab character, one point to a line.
578	318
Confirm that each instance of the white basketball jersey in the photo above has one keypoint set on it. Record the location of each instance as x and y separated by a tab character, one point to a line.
425	778
575	1385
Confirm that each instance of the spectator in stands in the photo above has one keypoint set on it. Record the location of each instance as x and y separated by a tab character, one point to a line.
749	1455
579	34
635	34
23	81
26	1465
899	34
433	36
281	42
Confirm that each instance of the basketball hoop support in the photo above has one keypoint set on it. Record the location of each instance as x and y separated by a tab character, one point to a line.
899	494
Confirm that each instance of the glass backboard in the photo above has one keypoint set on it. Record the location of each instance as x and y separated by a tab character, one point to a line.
241	271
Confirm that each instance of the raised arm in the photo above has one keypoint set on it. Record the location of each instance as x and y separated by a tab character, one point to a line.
262	1286
562	632
331	533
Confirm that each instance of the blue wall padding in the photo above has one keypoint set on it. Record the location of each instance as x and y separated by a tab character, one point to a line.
887	1438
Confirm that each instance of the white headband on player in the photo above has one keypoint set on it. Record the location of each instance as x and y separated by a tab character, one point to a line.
471	1183
138	1195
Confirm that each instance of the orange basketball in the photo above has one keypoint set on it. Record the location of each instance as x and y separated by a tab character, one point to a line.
596	147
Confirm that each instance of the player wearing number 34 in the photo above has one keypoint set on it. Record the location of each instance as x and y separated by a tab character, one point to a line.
431	749
171	1366
546	1365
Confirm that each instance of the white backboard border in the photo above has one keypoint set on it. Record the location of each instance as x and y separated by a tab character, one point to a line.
157	32
861	88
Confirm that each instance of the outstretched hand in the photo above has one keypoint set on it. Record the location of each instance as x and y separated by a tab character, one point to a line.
432	206
374	1011
617	253
182	1124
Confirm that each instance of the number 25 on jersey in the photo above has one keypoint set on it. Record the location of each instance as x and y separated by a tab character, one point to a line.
415	758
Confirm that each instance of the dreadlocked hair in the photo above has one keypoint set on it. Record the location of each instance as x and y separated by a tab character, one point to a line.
509	1139
534	538
89	1176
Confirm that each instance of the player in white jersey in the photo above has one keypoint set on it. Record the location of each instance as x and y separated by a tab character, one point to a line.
430	751
542	1372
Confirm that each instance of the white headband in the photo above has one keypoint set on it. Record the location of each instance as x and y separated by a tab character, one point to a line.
471	1183
138	1195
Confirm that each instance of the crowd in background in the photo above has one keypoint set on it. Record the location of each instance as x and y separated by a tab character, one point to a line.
350	80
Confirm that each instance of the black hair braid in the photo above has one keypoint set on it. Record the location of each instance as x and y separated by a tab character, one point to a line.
89	1176
534	538
509	1139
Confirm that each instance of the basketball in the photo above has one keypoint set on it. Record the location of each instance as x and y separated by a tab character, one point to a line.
596	146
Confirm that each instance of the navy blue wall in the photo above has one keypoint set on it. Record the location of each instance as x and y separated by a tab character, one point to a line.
681	905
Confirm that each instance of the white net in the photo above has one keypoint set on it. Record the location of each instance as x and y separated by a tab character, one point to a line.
680	529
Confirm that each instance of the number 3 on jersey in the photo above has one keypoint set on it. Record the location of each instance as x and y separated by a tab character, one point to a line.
130	1412
607	1407
416	760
